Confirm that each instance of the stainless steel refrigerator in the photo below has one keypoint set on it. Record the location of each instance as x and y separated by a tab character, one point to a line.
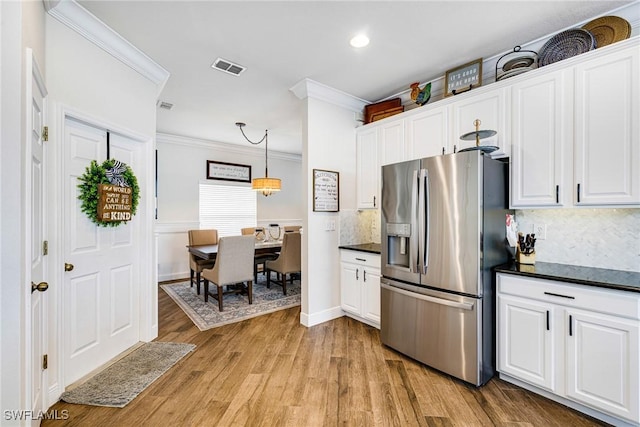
442	231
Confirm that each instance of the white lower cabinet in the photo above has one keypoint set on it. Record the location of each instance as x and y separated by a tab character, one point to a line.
360	285
577	343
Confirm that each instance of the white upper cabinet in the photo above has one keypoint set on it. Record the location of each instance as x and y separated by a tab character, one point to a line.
367	174
489	108
392	142
427	133
541	130
607	140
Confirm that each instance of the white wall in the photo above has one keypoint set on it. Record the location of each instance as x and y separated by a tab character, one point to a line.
329	144
12	280
88	83
182	165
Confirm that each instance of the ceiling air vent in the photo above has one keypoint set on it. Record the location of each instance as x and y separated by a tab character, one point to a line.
165	105
227	66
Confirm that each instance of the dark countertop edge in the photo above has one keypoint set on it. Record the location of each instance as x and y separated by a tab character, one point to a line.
610	279
372	248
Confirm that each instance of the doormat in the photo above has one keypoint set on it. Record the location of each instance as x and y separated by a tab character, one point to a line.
121	382
205	315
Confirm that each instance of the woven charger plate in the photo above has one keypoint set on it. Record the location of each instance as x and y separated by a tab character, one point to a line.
608	29
565	45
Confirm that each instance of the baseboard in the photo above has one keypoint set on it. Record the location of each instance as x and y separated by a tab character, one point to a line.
313	319
173	276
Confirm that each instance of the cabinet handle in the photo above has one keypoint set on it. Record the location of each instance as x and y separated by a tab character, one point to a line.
361	259
558	295
364	275
374	201
557	194
578	193
443	151
570	326
455	148
547	320
357	278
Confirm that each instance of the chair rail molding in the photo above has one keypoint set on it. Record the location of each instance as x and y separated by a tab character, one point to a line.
79	19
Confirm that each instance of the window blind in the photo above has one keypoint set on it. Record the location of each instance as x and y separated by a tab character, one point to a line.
227	208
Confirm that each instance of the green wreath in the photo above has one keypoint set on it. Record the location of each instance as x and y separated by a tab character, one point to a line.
96	174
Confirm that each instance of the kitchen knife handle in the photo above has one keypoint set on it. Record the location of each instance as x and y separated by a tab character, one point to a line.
547	320
578	193
570	325
557	194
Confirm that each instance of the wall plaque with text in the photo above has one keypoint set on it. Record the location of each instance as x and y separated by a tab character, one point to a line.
114	203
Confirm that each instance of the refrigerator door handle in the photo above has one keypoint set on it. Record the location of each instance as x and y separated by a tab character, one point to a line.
424	221
435	300
413	240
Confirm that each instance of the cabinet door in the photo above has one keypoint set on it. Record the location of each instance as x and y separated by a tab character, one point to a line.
391	142
350	292
427	134
602	362
525	341
607	144
367	173
541	126
489	108
371	295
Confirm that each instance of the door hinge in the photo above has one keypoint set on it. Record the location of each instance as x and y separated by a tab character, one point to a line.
45	361
45	247
45	133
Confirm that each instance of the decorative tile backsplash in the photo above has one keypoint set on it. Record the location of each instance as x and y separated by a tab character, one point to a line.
358	227
602	238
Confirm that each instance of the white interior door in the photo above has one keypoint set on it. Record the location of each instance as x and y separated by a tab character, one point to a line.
102	291
35	124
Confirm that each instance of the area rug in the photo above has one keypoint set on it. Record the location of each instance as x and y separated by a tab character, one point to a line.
205	315
120	383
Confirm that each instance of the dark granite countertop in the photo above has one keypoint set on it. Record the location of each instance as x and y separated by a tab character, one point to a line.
600	277
373	248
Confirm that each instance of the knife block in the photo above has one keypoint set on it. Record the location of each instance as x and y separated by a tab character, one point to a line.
522	258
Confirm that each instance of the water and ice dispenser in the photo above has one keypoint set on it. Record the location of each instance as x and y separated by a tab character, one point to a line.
398	249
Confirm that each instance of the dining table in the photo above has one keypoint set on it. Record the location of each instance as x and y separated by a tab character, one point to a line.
210	252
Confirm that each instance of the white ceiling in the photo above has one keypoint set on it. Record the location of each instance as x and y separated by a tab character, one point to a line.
282	42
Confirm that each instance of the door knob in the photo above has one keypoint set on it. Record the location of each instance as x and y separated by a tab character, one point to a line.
42	286
68	267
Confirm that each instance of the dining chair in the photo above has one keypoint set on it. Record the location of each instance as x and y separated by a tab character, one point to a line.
259	260
234	264
292	228
288	262
196	265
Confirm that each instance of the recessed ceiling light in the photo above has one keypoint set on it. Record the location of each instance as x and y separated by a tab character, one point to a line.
359	41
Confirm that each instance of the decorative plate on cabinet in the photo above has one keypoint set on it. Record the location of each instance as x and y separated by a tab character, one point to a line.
566	45
608	29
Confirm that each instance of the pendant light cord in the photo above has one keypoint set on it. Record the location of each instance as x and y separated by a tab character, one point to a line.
266	146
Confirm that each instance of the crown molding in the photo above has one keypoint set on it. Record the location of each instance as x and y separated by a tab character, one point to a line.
79	19
188	141
307	88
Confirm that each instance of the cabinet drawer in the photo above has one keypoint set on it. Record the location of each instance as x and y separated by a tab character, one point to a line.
357	257
610	301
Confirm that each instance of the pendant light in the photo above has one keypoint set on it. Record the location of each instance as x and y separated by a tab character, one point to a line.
267	186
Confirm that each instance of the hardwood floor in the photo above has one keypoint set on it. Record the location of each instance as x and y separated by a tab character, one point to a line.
272	371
